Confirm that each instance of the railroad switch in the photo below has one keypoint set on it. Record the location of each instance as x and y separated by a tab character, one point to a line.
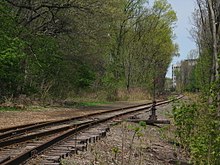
153	116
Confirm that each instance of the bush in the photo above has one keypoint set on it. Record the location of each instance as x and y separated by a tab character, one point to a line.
197	130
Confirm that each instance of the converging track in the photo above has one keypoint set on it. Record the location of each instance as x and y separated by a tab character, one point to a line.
49	142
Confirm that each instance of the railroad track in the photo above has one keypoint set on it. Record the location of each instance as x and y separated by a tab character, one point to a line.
49	142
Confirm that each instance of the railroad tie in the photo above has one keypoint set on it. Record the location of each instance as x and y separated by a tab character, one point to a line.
69	149
94	137
46	162
81	140
80	147
51	158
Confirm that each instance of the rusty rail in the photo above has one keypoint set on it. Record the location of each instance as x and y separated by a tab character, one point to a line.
71	131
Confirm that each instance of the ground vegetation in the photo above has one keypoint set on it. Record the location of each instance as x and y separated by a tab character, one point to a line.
198	119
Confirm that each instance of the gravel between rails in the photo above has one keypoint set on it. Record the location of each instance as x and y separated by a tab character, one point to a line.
149	147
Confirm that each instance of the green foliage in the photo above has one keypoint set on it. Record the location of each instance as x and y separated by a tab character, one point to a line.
115	151
49	52
12	54
192	86
198	131
185	116
202	72
198	122
85	77
143	124
138	129
89	104
143	44
8	109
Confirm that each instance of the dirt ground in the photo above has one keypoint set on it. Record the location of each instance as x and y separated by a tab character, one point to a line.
40	114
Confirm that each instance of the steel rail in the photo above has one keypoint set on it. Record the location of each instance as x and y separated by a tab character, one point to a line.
15	131
3	130
18	132
13	134
39	149
38	135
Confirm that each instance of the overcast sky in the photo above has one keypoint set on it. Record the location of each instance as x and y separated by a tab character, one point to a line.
184	9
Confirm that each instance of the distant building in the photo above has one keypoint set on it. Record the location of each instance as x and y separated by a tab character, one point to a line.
175	70
181	73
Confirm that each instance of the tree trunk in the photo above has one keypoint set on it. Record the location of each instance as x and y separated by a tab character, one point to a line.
215	64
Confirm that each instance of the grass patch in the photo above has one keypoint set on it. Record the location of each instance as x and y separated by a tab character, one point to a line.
91	104
4	109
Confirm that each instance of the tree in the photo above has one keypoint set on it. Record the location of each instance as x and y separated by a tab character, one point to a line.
207	37
11	54
87	45
203	134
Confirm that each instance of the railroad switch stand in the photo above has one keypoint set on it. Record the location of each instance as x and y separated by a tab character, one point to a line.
153	116
152	120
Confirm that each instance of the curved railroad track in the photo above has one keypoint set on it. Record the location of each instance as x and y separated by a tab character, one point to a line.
49	142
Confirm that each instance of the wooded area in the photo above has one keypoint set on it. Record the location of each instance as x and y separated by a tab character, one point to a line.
198	120
53	48
61	48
